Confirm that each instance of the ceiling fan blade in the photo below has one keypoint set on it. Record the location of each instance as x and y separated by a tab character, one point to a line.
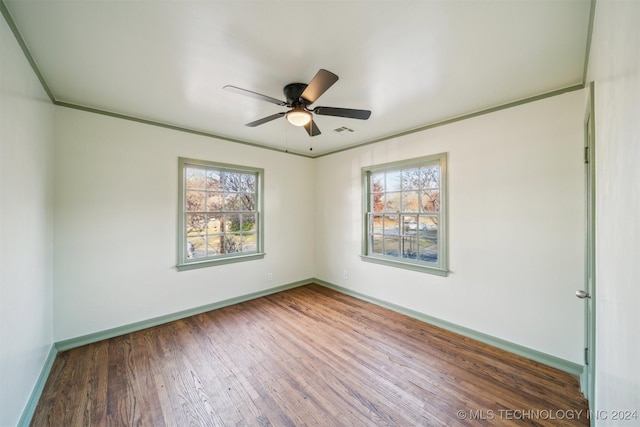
343	112
254	95
265	120
312	129
322	81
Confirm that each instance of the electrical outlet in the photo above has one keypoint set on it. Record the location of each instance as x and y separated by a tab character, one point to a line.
345	275
269	276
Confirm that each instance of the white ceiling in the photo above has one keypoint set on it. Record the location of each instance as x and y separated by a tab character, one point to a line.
412	63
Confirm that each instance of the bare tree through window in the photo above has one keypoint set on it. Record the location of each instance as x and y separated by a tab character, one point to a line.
220	211
404	210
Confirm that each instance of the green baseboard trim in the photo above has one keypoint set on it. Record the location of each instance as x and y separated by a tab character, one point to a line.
34	398
144	324
529	353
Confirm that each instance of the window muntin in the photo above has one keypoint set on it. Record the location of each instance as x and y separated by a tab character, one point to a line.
219	213
404	213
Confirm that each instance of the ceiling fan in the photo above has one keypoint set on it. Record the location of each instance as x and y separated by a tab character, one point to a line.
299	96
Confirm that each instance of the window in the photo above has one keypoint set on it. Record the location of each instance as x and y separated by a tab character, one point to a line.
405	214
220	214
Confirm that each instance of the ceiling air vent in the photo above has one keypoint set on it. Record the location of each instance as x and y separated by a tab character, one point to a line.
343	130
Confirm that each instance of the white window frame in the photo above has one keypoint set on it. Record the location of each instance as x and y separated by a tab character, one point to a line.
440	267
186	263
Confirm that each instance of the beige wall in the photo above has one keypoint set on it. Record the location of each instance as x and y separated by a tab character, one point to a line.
615	68
116	223
26	228
515	225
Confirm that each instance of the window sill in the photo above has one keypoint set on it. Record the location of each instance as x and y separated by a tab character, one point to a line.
406	265
219	261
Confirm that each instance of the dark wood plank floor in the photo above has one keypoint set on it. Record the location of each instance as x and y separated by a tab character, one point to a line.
304	357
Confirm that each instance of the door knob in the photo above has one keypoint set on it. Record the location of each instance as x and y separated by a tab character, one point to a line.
583	294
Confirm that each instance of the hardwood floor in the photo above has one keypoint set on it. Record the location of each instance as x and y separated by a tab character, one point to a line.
304	357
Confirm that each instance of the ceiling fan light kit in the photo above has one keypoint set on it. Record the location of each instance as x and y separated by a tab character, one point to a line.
298	116
299	96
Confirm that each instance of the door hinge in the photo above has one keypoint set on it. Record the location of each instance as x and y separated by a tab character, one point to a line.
586	155
586	356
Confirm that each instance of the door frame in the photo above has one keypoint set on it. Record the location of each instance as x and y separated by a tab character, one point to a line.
587	379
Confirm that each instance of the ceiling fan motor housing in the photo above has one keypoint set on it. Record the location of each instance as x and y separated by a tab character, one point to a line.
292	92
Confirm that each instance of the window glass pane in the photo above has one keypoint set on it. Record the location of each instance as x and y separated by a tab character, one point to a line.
214	202
377	202
214	223
237	182
232	223
247	201
393	181
195	178
375	244
430	177
377	182
409	224
392	202
410	201
248	183
391	225
429	239
232	243
195	201
214	181
214	244
232	202
249	222
410	247
249	242
410	179
430	201
196	247
227	181
429	224
428	249
392	245
195	224
377	225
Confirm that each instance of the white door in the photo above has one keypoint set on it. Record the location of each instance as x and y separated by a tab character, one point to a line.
588	293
